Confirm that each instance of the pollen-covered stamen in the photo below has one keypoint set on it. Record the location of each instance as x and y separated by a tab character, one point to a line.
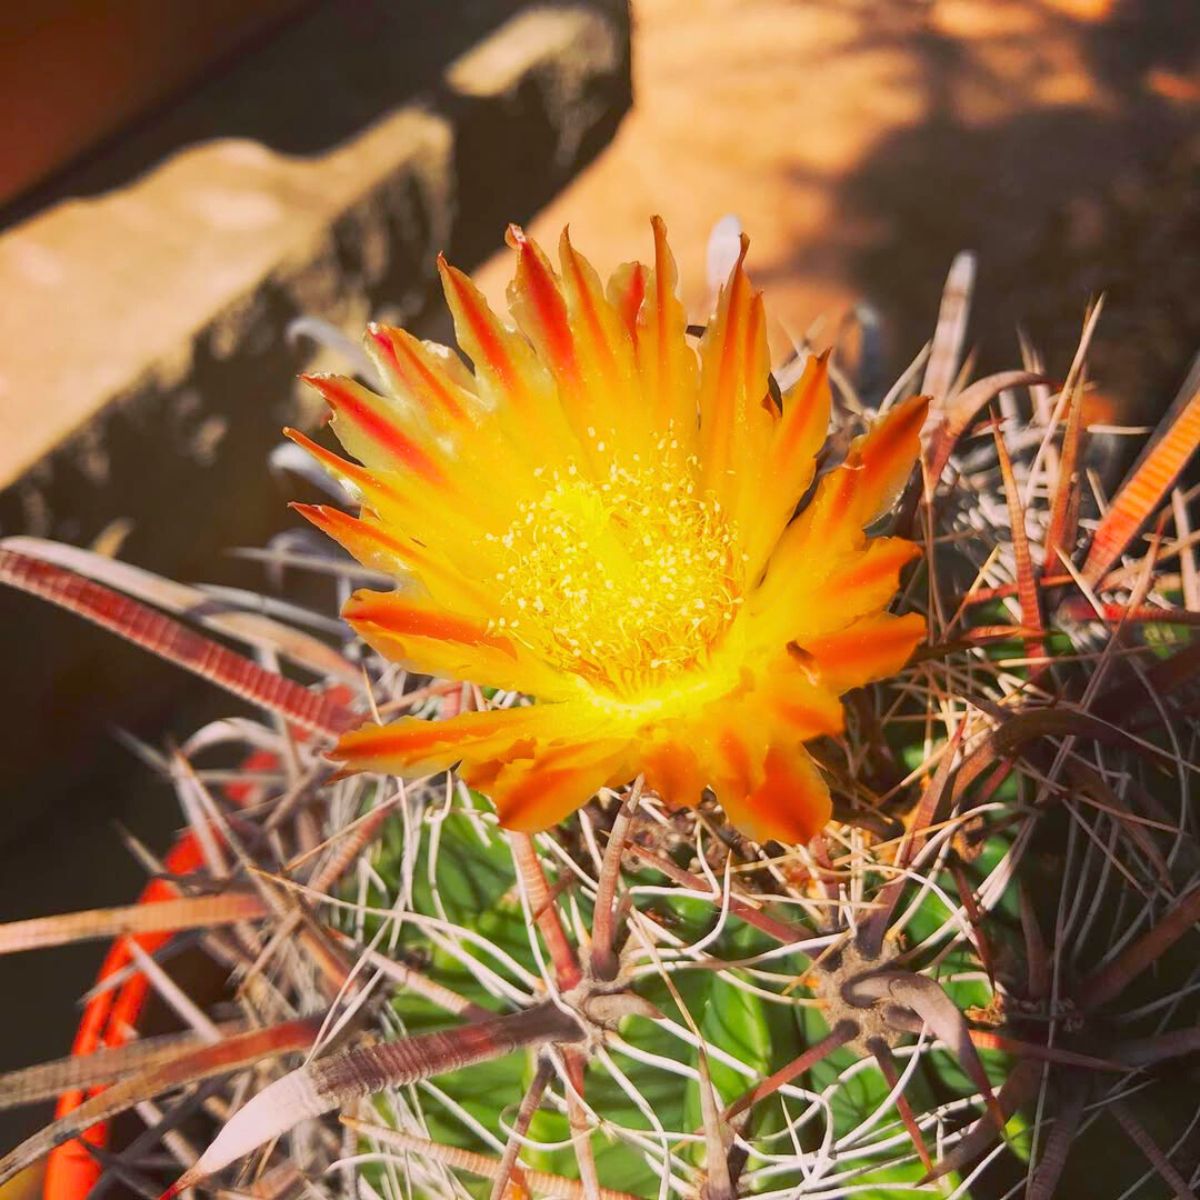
623	580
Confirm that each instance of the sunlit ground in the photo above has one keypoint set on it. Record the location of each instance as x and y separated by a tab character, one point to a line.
863	144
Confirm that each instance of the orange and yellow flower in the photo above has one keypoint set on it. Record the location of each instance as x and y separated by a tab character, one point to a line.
601	517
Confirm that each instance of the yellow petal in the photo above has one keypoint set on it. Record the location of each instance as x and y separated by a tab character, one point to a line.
429	638
665	360
509	374
412	747
791	803
791	460
807	592
534	793
737	416
871	479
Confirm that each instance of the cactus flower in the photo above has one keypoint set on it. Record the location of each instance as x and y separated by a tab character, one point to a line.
601	516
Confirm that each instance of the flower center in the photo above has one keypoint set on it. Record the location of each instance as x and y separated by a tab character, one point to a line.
624	581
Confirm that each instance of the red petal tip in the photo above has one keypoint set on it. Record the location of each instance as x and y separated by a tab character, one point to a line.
313	512
327	383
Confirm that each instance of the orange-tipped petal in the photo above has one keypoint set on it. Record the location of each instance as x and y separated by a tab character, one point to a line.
509	373
537	303
604	335
769	788
876	469
400	615
433	639
626	292
611	406
801	430
799	704
791	803
490	346
735	423
792	457
673	770
414	371
367	542
848	499
862	583
737	762
370	488
534	795
873	576
889	454
383	547
872	648
372	432
539	306
412	747
444	522
667	363
811	590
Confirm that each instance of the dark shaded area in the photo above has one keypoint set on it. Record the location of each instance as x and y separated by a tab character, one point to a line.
72	684
77	71
301	90
1060	204
1142	35
66	780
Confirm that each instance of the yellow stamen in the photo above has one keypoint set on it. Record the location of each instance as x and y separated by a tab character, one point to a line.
625	580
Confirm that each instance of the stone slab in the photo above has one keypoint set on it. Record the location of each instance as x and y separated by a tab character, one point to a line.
122	296
145	369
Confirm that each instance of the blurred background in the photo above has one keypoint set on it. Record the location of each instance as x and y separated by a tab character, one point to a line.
181	183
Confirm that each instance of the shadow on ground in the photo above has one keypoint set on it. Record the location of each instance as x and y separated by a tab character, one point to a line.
300	89
1060	202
